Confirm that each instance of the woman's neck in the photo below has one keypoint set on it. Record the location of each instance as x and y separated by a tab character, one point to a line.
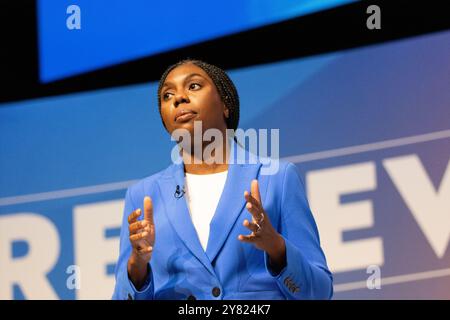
206	162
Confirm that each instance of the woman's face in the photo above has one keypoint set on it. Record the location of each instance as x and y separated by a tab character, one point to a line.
189	94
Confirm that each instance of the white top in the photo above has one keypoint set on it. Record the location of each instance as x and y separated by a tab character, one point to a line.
203	193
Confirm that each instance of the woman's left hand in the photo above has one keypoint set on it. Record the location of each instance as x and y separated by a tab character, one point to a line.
263	236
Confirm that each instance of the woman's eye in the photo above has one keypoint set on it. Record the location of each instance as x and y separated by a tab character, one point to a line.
166	96
194	86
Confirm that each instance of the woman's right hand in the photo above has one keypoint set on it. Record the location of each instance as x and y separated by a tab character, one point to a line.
142	239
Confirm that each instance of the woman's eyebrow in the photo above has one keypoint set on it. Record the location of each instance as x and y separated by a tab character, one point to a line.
193	75
168	83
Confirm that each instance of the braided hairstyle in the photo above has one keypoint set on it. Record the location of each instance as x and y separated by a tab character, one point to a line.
225	87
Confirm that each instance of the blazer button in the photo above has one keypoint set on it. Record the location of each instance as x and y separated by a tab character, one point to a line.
191	297
216	292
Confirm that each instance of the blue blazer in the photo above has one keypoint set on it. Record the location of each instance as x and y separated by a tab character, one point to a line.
229	269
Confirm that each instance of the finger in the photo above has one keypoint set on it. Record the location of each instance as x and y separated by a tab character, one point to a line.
145	250
138	225
252	200
148	209
249	238
250	225
253	211
139	236
134	215
255	190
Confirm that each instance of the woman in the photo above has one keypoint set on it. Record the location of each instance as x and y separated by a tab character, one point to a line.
193	231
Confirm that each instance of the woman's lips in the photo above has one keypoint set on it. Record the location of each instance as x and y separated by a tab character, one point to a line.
185	116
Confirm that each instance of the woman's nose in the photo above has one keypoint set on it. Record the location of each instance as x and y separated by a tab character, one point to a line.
181	98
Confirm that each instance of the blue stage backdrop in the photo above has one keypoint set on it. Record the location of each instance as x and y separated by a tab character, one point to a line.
369	129
115	31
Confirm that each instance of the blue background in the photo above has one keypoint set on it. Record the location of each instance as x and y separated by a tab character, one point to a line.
118	31
347	98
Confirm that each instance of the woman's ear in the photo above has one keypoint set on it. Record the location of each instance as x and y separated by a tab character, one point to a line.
226	112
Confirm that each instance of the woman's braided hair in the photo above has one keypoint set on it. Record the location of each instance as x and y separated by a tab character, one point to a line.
225	87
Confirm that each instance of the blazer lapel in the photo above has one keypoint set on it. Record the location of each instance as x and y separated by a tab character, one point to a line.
178	213
230	205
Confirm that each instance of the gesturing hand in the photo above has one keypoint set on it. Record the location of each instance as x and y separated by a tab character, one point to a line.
142	233
142	239
263	236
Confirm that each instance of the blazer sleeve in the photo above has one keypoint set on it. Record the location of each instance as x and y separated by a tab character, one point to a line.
124	288
306	275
